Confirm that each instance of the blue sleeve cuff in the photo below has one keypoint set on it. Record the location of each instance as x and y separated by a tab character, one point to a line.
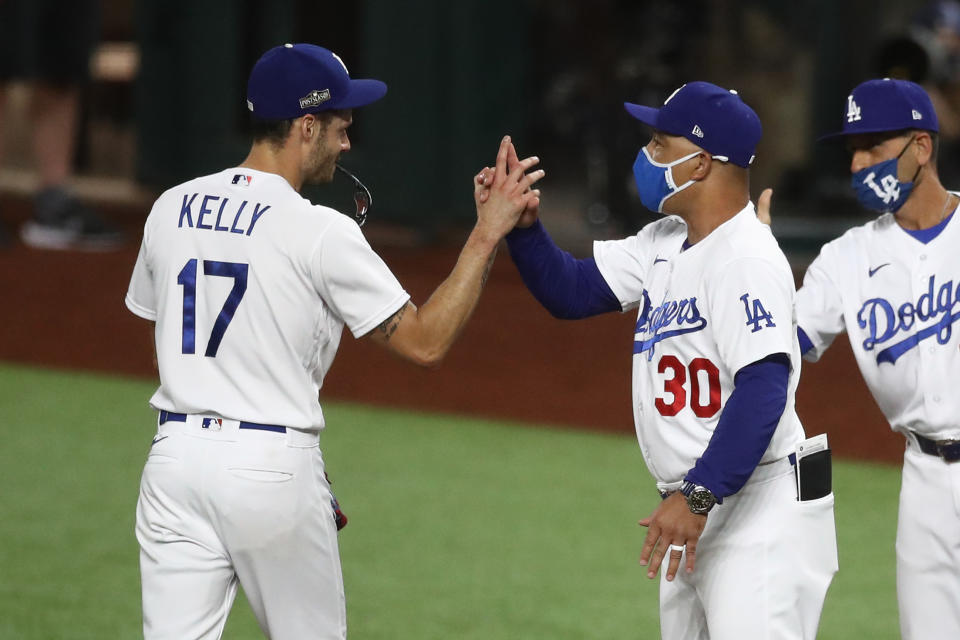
805	342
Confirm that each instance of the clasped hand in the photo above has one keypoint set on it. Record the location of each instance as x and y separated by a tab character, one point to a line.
508	188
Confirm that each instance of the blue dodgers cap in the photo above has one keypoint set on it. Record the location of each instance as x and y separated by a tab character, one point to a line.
881	105
295	79
711	117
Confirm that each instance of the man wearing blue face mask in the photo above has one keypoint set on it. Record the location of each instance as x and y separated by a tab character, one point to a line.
715	366
894	286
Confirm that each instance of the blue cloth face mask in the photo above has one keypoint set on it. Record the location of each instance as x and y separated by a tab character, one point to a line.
655	181
878	187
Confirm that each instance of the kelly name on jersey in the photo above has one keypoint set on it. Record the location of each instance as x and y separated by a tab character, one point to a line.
218	213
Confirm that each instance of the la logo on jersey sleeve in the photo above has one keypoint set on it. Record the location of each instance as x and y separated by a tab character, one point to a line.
756	314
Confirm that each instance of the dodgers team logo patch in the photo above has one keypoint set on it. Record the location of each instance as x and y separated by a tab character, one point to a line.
672	318
242	180
885	323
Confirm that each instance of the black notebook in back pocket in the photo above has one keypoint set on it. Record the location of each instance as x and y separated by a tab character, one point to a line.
814	475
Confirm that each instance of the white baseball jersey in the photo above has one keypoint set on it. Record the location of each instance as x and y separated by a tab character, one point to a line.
250	286
897	299
705	312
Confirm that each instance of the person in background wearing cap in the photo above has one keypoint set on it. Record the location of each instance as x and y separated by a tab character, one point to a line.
249	286
893	285
715	368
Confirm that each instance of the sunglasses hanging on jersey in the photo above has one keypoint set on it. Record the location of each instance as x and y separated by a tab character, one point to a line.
361	196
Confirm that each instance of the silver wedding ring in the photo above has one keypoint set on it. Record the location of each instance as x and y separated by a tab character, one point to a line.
678	547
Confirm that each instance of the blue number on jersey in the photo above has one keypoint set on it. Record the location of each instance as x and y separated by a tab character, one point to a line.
756	314
187	278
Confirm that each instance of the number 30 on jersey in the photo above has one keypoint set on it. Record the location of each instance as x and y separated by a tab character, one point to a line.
704	395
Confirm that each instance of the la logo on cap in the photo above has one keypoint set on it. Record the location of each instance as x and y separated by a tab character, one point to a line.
853	110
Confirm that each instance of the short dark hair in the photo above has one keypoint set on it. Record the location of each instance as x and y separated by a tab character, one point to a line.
274	132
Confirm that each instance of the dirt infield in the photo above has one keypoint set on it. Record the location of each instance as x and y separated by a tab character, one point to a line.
65	309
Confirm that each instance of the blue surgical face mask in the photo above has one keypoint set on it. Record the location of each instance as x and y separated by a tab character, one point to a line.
655	181
878	187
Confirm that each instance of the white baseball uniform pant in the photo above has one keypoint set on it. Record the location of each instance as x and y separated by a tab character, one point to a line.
220	506
764	563
928	547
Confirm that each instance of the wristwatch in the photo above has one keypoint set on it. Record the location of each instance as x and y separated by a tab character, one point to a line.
699	499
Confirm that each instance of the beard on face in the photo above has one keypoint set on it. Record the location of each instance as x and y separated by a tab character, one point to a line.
323	163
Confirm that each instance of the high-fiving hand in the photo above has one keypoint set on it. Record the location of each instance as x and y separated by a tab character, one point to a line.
515	168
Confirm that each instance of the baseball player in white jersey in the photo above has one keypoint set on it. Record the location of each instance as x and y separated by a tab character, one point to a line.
893	285
715	366
250	286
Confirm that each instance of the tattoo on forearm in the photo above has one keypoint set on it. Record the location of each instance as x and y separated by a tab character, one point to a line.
389	326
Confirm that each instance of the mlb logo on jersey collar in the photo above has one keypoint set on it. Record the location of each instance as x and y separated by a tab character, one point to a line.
876	106
242	180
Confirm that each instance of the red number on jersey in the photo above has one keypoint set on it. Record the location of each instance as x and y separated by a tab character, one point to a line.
710	409
674	385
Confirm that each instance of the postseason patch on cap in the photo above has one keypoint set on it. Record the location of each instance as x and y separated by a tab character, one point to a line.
314	98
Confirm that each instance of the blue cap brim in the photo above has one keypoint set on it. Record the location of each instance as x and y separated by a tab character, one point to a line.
831	136
362	92
646	115
864	131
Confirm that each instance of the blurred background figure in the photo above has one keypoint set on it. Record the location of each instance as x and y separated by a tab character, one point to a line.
553	80
582	81
928	53
47	44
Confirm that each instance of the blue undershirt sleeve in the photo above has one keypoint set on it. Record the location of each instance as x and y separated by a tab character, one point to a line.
805	342
569	288
745	428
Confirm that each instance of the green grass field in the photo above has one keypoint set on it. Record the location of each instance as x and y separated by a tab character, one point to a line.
459	528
